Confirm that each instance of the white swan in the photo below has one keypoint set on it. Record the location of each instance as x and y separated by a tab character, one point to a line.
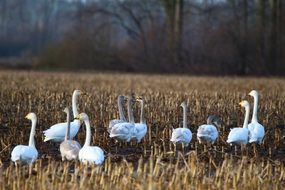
208	133
141	127
256	130
125	131
27	154
182	135
56	132
121	100
89	154
239	135
69	148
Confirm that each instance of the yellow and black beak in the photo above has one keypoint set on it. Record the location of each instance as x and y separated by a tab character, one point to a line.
83	93
77	117
138	98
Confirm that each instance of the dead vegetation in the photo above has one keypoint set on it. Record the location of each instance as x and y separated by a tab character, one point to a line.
152	164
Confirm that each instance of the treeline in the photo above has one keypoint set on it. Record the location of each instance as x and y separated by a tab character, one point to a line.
224	37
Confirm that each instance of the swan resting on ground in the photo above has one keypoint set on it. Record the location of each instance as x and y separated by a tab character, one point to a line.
141	127
27	154
89	154
56	133
125	131
69	148
122	119
208	133
256	130
239	135
182	135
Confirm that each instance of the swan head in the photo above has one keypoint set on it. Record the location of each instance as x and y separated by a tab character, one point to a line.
66	110
253	93
82	117
183	104
140	98
79	92
214	120
31	116
244	103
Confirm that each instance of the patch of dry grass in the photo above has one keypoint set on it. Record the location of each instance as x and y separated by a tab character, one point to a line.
152	164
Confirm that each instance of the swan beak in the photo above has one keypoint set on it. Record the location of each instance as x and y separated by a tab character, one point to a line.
83	93
27	116
77	117
138	98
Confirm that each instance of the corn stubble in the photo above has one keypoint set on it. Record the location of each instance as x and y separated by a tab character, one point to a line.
154	163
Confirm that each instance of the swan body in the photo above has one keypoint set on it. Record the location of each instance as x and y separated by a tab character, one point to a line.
208	133
239	135
26	154
182	135
69	148
140	128
89	154
56	132
124	131
122	118
256	130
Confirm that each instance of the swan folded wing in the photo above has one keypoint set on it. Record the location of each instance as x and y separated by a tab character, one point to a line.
57	131
125	130
181	135
113	122
140	131
25	154
208	131
256	132
238	135
92	155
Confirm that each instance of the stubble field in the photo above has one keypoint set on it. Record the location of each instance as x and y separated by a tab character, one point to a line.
153	163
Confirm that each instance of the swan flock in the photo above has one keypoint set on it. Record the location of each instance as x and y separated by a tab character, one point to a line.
126	129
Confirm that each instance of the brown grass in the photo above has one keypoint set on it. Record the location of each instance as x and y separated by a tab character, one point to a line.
152	164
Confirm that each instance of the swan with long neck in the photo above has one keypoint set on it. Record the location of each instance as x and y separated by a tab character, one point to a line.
27	154
57	132
208	133
182	135
141	127
239	135
256	130
89	154
125	131
122	118
69	148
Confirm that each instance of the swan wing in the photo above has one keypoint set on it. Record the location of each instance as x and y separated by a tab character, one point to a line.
140	131
57	132
207	133
123	131
238	136
91	155
113	122
181	135
69	149
256	132
24	154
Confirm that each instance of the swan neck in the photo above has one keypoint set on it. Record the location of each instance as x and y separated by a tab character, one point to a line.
88	133
130	111
121	110
246	118
74	104
255	107
184	116
33	131
142	119
67	134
